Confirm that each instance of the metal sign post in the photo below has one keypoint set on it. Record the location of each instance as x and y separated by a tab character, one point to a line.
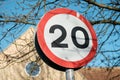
70	74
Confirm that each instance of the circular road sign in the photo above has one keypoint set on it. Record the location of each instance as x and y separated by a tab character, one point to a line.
66	38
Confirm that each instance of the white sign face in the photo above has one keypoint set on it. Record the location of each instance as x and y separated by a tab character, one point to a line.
58	37
66	38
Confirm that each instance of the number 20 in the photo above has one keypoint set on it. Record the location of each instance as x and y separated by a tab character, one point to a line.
57	43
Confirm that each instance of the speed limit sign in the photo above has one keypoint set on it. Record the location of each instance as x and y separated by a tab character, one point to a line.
66	38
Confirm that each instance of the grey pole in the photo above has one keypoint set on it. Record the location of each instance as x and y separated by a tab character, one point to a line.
70	74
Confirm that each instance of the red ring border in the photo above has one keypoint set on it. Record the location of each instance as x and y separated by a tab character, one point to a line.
49	54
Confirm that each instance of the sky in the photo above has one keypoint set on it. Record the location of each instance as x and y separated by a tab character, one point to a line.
6	6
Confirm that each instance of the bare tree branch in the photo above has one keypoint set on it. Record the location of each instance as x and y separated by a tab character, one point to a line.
117	50
8	32
105	21
18	21
102	5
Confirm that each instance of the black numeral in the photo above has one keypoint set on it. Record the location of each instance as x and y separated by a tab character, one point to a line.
73	35
57	43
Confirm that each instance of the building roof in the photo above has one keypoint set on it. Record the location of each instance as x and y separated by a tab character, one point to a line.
13	61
